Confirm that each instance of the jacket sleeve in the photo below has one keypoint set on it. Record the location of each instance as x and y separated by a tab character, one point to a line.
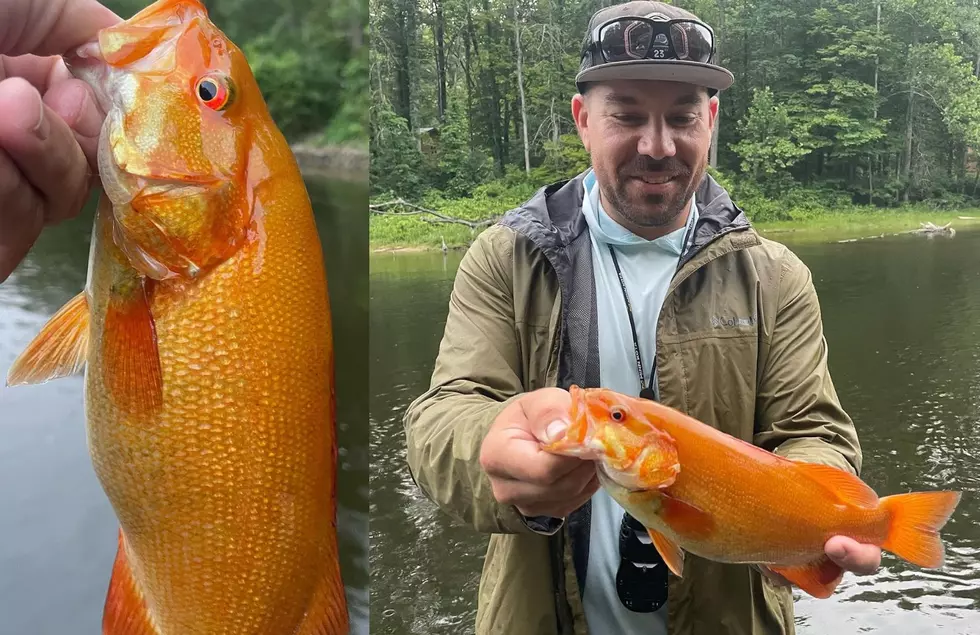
476	375
798	414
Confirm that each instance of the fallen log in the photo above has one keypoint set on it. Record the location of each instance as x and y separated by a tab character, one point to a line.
382	210
931	229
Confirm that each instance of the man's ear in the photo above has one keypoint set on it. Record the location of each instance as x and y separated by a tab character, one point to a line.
713	104
580	113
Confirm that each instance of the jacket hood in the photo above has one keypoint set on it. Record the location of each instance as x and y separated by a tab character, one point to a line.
552	218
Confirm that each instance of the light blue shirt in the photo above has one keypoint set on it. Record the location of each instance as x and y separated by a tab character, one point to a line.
647	267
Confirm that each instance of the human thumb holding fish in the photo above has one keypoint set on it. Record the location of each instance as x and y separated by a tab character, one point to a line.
49	121
536	482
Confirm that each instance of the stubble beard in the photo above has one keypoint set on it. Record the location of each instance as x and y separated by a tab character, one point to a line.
653	210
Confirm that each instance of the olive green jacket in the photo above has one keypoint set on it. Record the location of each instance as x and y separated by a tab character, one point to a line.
740	346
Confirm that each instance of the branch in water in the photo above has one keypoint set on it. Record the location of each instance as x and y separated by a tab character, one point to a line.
381	210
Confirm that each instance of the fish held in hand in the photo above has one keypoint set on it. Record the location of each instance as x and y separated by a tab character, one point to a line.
699	490
205	337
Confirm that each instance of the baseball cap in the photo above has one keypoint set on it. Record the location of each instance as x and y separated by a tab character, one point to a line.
594	68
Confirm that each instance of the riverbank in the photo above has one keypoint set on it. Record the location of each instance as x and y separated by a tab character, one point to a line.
341	162
411	233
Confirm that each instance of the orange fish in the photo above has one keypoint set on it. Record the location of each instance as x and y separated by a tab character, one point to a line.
204	331
700	490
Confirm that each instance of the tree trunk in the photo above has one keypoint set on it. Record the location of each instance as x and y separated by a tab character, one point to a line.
878	32
493	101
441	59
467	66
713	151
907	166
403	80
520	91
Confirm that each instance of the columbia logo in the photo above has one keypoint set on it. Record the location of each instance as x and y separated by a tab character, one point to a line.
718	322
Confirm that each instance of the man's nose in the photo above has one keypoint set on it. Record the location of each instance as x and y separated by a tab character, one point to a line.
656	142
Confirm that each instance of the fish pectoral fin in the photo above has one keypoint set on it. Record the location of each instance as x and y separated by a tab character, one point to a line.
131	360
844	485
819	578
125	610
685	519
59	350
672	554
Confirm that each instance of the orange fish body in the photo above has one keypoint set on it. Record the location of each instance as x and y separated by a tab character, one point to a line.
205	334
700	490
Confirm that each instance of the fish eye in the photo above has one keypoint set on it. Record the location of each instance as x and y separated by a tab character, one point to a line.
618	414
214	92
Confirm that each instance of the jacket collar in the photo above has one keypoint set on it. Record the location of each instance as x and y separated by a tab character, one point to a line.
552	218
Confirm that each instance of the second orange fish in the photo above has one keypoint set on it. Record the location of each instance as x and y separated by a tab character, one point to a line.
700	490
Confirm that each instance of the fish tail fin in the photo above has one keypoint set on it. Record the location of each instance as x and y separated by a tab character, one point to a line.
125	609
327	613
916	519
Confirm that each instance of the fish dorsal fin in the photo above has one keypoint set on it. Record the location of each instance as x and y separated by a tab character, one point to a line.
59	350
846	487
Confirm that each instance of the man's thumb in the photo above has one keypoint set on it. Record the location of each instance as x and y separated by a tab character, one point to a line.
73	101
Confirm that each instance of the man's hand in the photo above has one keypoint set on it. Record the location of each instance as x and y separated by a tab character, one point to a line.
848	554
523	475
49	121
853	556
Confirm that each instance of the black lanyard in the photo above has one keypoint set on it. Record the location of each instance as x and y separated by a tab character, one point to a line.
646	391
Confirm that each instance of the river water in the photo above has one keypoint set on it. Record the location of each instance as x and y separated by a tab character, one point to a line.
902	318
57	530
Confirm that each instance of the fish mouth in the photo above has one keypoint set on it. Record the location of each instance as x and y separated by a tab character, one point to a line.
573	439
88	64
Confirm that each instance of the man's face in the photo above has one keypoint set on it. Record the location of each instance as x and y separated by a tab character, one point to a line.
649	142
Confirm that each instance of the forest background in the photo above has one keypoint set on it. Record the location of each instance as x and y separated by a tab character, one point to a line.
856	113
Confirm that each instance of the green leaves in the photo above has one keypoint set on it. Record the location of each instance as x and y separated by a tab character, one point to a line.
830	95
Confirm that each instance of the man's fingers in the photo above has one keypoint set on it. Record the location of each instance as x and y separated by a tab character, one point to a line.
44	149
853	556
549	408
21	216
40	71
513	455
73	101
559	508
52	27
565	495
71	98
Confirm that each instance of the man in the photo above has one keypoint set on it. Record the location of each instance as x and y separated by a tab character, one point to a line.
49	121
642	276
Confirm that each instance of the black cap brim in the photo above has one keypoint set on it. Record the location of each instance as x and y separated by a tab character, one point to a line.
707	75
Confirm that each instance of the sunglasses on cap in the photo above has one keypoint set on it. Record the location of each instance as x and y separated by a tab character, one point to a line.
641	581
626	39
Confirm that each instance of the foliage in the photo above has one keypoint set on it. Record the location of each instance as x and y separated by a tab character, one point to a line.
772	141
352	122
396	162
836	103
